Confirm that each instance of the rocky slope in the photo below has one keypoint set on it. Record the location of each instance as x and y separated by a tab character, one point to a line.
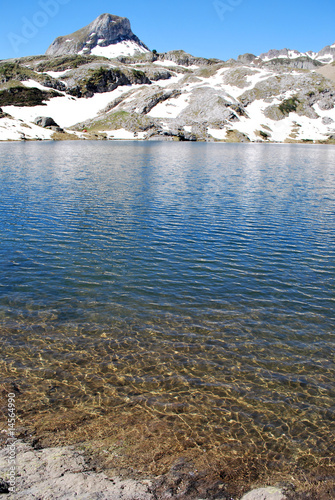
172	96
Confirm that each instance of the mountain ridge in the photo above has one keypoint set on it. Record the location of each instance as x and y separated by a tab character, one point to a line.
110	30
324	56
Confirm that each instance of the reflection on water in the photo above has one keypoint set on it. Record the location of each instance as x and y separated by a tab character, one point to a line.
193	281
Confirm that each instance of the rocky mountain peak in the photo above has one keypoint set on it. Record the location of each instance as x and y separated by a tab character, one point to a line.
107	35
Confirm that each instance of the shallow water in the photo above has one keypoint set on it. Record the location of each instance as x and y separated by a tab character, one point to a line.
192	280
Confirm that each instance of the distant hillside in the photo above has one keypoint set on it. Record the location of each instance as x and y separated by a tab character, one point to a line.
102	82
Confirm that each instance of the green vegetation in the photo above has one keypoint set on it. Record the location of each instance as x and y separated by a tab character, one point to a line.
138	75
64	136
98	80
62	63
4	115
238	77
10	84
289	105
95	76
208	71
23	96
264	135
14	71
114	121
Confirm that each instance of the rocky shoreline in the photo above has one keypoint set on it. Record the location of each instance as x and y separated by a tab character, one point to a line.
64	473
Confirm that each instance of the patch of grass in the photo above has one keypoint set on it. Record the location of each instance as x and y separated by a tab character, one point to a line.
4	115
114	121
236	136
262	134
23	96
10	84
209	71
14	71
137	74
62	63
289	105
64	136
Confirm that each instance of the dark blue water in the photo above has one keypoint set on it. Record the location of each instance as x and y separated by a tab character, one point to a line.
195	276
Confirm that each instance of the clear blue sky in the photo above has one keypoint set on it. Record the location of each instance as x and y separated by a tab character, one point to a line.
209	28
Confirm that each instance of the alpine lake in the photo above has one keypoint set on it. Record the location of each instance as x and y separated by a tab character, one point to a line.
171	300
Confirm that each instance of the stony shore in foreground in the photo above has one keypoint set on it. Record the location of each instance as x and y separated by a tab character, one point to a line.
63	473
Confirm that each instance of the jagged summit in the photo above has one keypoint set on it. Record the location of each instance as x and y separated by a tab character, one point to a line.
324	56
107	35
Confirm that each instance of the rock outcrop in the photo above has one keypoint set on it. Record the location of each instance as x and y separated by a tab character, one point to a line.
47	122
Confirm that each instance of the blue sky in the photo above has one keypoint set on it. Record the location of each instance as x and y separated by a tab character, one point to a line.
209	28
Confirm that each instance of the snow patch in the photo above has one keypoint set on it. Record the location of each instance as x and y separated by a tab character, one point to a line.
58	74
125	48
37	85
171	81
170	108
219	134
68	110
123	134
15	130
169	64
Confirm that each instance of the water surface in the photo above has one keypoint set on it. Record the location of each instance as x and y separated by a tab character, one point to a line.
194	281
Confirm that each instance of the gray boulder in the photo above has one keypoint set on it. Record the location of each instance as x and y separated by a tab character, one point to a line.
269	493
45	122
48	122
326	120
